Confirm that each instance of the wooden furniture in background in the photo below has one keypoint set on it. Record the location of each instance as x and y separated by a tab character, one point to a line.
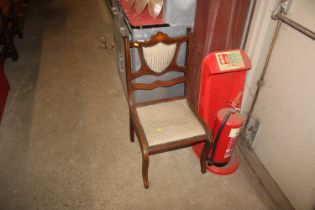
12	17
165	124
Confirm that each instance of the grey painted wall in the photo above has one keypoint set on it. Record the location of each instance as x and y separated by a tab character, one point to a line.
285	142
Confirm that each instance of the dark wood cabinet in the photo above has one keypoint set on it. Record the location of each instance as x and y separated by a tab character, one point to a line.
20	9
219	25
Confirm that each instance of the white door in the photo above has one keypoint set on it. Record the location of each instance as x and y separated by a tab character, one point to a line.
285	141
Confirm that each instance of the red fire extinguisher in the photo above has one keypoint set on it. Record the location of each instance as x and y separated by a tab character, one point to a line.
227	127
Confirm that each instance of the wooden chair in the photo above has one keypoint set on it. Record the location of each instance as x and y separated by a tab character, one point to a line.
165	124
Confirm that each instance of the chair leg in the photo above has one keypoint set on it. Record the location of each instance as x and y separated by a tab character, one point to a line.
203	157
145	169
131	129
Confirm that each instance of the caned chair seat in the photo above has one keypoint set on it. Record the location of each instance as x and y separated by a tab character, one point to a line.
168	122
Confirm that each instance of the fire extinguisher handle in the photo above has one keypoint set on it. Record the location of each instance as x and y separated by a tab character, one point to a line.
237	100
217	137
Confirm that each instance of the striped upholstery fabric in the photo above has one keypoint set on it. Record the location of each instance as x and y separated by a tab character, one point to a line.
168	122
159	56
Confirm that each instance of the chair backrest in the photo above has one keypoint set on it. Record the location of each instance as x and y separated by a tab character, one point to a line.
158	56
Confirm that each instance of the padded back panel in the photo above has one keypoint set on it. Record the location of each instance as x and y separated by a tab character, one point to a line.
159	56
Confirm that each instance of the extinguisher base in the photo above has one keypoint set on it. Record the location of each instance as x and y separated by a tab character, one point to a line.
229	168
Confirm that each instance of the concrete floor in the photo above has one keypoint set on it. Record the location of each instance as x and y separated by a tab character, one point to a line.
64	140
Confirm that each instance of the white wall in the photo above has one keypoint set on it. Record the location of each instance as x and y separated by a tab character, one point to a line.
285	143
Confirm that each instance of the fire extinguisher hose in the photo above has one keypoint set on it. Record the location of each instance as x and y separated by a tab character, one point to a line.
216	140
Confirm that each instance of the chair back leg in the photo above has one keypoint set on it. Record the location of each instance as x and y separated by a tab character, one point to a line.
131	129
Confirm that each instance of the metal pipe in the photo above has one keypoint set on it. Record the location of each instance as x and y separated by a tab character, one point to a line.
261	81
295	25
281	18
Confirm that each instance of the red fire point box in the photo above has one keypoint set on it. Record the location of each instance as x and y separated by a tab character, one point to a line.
222	80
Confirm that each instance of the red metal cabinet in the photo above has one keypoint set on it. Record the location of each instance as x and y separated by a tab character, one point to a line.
4	90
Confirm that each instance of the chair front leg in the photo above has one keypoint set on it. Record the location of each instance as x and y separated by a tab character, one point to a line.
145	169
203	157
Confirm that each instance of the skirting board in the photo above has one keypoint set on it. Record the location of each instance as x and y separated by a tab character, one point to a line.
274	191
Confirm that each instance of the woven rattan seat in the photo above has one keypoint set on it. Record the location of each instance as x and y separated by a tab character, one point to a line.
169	122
